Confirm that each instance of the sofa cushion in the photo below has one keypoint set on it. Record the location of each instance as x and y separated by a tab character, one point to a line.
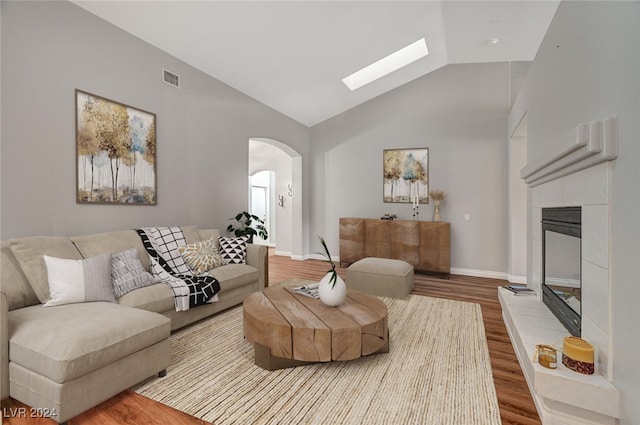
202	256
29	253
157	298
118	241
127	272
208	234
69	341
191	234
14	283
78	281
234	275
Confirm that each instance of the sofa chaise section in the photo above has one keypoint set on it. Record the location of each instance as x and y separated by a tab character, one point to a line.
71	357
68	357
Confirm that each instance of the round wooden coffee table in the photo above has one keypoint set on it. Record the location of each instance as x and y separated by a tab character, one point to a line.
289	329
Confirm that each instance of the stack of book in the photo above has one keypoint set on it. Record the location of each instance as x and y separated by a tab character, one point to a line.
519	289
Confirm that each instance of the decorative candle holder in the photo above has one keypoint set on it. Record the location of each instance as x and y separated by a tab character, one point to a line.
547	356
578	355
415	203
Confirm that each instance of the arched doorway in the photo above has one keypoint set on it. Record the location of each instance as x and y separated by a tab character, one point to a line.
285	199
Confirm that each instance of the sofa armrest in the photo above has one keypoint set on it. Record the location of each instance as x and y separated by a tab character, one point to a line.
4	346
257	256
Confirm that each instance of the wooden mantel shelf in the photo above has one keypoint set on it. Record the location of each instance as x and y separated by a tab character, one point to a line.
426	245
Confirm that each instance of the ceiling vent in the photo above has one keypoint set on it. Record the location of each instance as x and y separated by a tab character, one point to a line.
170	78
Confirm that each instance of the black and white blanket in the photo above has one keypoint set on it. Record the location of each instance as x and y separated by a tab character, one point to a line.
168	265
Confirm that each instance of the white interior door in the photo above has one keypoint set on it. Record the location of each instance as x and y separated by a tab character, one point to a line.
260	207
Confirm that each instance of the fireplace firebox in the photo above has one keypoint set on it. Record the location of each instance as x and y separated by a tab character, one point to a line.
562	265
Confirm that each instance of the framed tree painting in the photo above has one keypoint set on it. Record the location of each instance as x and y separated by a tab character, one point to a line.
115	152
406	175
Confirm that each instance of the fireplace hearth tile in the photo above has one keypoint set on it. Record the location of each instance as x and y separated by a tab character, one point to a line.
557	392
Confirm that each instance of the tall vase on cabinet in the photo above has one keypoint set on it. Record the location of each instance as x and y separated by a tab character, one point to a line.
437	196
331	289
436	210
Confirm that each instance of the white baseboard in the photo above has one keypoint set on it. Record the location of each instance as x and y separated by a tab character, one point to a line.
479	273
299	257
283	253
291	255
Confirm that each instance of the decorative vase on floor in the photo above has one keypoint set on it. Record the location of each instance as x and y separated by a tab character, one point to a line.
332	295
436	210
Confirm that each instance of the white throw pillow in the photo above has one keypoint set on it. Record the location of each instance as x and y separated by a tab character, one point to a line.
78	281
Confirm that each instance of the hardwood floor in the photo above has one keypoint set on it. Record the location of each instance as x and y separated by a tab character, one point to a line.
514	399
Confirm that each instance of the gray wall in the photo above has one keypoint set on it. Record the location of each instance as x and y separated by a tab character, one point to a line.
517	74
51	48
460	113
587	69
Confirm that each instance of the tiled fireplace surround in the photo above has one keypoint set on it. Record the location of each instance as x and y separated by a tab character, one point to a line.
578	176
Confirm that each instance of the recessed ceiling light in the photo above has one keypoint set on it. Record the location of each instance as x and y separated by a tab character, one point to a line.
494	41
387	65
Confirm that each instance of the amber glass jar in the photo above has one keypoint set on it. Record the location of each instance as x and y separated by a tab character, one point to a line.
547	356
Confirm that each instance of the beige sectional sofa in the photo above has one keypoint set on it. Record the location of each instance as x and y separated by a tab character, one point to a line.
66	359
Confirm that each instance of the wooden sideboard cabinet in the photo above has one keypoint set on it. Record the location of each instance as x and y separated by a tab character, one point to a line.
426	245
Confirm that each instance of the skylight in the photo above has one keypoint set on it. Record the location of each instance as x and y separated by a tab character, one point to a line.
387	65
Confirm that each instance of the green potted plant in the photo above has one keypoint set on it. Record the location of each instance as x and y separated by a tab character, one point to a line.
331	288
248	225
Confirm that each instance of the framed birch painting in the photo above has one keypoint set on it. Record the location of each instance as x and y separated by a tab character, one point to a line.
406	175
115	152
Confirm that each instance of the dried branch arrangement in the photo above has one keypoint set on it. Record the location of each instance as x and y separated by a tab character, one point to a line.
437	194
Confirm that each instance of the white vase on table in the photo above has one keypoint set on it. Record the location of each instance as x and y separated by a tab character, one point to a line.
332	294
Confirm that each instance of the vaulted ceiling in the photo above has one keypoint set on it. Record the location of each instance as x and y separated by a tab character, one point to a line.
292	55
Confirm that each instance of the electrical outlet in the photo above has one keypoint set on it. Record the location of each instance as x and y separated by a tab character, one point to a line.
467	217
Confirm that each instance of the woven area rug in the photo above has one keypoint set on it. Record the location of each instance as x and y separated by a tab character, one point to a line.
438	371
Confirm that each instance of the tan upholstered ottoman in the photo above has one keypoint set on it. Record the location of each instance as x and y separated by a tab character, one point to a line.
381	276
